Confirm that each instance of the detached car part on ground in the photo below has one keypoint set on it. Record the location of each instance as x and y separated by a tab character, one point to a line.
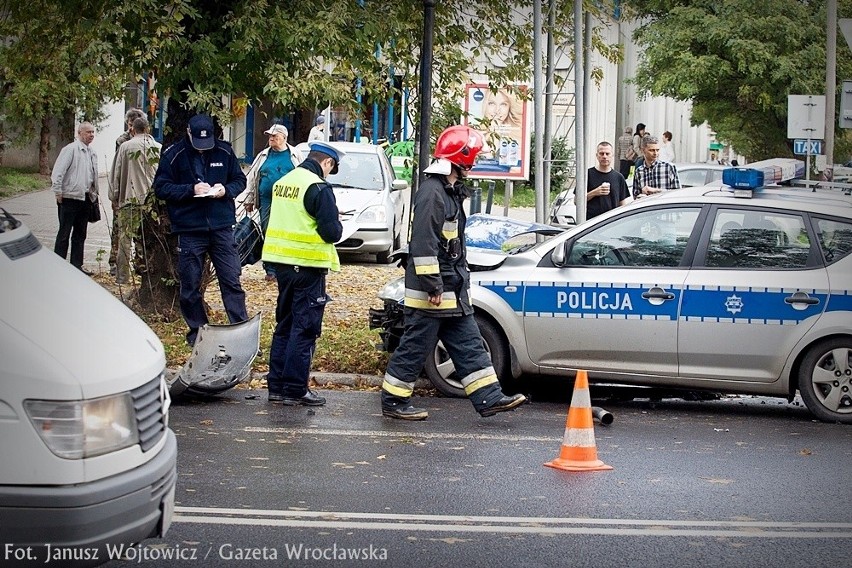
694	289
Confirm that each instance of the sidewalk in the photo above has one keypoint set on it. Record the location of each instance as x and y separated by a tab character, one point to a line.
38	211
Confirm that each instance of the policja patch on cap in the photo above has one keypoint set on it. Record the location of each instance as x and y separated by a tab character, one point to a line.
201	133
329	150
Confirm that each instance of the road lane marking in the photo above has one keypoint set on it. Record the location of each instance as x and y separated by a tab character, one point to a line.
510	525
387	434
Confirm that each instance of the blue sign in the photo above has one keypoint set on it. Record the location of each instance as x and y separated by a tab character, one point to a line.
800	147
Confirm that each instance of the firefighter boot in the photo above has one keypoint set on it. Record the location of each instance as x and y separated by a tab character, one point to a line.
503	404
403	411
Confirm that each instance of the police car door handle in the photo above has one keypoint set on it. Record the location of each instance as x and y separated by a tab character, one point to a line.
657	293
801	298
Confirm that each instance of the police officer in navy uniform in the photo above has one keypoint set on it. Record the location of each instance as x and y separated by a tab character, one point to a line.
304	224
437	285
199	177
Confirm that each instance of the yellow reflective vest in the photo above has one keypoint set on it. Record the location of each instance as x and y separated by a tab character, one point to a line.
291	237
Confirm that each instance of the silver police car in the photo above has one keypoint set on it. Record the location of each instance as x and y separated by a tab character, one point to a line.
710	288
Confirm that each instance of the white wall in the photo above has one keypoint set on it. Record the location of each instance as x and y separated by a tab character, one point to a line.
106	133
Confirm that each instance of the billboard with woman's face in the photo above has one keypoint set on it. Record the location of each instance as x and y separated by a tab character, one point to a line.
502	115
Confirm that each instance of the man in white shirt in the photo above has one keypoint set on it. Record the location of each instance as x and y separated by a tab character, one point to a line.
318	132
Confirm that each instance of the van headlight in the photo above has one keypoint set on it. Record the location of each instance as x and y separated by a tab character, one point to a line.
84	428
373	214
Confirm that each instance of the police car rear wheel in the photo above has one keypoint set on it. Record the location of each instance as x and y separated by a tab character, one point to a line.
825	380
442	373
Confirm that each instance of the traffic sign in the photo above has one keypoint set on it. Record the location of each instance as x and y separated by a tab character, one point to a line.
800	147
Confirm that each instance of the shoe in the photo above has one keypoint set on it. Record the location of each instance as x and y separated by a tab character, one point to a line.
275	397
407	412
309	399
113	270
86	272
505	403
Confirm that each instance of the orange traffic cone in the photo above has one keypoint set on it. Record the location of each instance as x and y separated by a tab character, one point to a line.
579	452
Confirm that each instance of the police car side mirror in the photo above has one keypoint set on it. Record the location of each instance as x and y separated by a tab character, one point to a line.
560	253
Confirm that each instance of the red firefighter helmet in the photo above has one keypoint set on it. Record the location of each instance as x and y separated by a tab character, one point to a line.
459	144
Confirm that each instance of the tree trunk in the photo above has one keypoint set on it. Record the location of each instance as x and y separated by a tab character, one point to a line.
156	262
43	147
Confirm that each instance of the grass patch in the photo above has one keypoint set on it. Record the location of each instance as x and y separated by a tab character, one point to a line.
522	196
15	181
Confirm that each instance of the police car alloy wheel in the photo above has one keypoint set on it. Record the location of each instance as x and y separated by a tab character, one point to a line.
442	373
825	380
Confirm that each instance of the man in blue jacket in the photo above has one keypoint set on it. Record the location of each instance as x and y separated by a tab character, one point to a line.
199	177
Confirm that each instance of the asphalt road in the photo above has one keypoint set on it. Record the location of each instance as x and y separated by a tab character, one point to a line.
736	482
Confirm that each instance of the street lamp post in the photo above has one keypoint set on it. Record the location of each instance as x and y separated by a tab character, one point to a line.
425	88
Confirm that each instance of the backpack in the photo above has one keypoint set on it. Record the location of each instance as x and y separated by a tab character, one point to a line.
249	240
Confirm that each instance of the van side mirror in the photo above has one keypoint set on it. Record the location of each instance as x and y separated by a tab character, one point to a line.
399	184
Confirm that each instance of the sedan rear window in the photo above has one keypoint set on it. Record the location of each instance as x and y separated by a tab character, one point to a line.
835	239
750	239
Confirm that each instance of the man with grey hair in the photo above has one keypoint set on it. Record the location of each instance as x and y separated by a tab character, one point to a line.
131	180
653	175
129	116
75	184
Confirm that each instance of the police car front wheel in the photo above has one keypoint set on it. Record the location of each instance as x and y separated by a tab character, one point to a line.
825	380
441	372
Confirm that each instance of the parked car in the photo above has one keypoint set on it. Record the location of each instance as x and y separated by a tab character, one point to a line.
374	202
698	174
699	289
563	212
88	459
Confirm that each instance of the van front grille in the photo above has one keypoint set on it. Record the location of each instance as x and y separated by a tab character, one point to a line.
22	247
148	404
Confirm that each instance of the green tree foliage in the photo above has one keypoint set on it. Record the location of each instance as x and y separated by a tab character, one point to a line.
736	61
54	64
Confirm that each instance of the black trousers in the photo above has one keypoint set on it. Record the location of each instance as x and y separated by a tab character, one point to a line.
73	225
298	324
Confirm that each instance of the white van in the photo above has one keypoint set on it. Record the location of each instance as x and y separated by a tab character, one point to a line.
86	456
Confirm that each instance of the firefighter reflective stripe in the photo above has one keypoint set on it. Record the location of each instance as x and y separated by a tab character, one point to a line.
479	379
450	229
426	265
396	387
420	300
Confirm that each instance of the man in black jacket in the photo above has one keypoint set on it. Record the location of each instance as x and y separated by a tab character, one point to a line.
437	289
199	177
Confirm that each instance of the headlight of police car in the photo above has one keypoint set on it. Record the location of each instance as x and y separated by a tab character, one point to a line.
393	291
373	214
85	428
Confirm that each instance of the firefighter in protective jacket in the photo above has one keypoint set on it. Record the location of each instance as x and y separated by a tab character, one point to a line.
437	287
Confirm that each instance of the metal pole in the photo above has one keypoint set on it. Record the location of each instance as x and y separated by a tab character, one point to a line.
548	104
830	86
579	111
538	94
425	89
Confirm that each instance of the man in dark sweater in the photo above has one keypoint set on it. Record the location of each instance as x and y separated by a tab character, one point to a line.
605	187
198	178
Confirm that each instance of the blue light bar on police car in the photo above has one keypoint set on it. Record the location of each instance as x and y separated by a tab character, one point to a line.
764	172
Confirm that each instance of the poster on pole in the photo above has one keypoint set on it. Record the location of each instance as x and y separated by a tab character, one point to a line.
503	116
